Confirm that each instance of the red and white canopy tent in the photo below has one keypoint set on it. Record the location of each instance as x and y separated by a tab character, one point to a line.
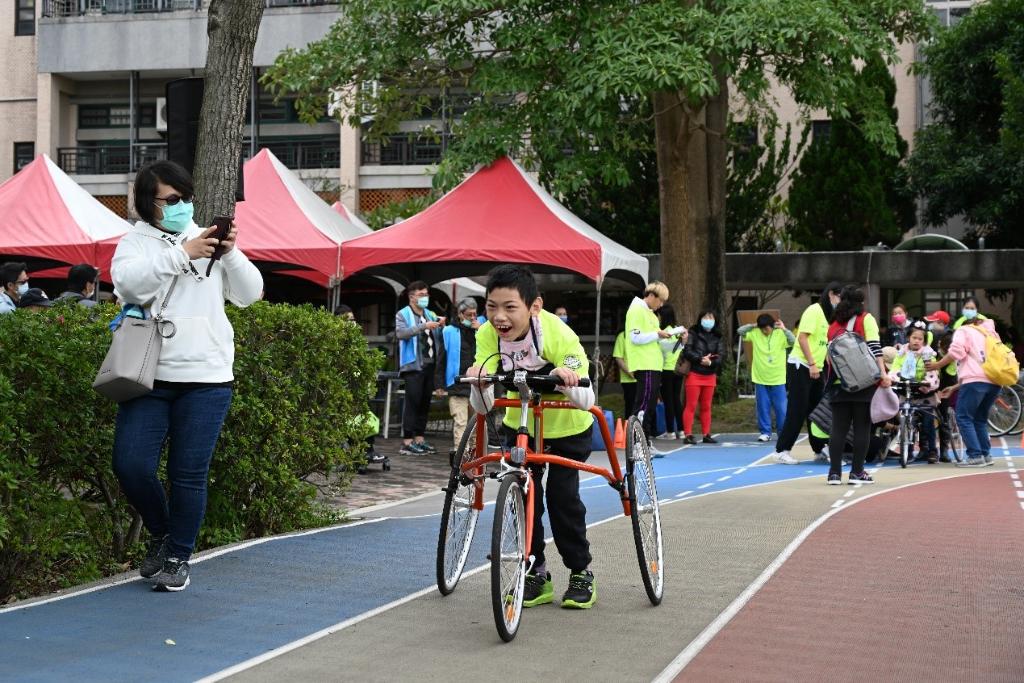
499	214
51	221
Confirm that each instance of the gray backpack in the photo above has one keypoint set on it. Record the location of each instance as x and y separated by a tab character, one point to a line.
852	361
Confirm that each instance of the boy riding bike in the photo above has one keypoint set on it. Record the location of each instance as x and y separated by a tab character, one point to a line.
524	336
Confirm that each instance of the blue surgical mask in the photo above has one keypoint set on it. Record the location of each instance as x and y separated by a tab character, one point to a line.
970	313
22	288
177	217
564	318
467	323
707	324
423	301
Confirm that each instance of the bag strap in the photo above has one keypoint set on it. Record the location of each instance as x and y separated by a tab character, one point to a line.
167	297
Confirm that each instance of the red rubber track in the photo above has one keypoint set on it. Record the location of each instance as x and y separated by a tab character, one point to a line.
925	583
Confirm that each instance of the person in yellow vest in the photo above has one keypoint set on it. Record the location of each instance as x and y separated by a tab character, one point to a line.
643	354
770	340
672	383
626	378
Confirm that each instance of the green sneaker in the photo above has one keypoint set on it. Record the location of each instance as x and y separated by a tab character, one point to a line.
582	592
538	590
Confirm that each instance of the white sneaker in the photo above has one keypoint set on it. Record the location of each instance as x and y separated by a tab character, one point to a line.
764	438
666	435
785	458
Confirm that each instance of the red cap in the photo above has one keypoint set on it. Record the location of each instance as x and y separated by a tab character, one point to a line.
938	317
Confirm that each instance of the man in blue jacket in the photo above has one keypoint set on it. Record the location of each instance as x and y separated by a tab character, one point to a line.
418	331
457	354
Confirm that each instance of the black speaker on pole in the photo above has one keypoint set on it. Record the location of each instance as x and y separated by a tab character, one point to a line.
184	103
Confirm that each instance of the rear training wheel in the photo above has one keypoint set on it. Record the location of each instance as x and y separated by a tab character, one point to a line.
508	557
458	520
644	511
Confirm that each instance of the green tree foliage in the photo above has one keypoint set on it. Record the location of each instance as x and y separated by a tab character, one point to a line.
555	76
62	517
970	160
850	191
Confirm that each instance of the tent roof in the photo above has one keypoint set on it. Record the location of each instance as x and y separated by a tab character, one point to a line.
498	214
285	222
45	214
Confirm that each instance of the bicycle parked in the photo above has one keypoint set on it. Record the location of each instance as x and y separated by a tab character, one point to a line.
513	512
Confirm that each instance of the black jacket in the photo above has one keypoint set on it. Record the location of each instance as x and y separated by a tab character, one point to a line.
699	344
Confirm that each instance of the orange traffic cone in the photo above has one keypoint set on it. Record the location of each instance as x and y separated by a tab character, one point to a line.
620	434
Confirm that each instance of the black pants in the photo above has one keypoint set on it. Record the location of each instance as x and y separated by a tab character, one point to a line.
647	384
566	511
844	415
628	397
419	386
672	397
804	394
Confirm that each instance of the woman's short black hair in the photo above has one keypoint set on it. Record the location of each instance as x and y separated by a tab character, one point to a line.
512	276
667	314
166	172
765	320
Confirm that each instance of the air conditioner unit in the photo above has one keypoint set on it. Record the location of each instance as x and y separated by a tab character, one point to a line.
161	114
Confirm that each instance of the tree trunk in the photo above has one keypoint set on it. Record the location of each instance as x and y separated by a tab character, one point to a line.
691	181
232	27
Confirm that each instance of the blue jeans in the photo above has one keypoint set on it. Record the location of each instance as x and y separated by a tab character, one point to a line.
973	402
768	398
192	419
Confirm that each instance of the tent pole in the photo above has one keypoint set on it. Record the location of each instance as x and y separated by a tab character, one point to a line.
597	344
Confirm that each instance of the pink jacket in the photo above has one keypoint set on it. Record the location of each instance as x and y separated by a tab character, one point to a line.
968	348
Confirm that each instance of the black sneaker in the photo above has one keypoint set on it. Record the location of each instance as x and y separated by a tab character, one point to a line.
538	590
834	479
173	577
153	562
710	439
425	447
410	449
582	593
690	440
860	478
373	456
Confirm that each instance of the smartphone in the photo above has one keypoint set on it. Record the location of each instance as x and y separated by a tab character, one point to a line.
223	225
715	356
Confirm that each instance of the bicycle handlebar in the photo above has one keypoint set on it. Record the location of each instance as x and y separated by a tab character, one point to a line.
512	380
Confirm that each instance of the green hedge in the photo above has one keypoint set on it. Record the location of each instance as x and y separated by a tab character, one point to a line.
301	375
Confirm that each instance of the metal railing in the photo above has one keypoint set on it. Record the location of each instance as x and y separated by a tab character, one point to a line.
405	149
108	159
303	153
77	8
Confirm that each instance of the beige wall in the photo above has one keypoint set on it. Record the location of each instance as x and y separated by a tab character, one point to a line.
17	88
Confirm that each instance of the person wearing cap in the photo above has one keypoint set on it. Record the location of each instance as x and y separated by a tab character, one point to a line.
938	323
81	285
458	349
34	299
13	284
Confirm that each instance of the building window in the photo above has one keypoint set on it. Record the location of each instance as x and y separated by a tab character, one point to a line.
820	131
24	153
25	17
115	116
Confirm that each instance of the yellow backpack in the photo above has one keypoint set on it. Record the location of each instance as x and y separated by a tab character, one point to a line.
998	362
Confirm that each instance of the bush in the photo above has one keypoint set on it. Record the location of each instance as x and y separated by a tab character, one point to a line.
300	376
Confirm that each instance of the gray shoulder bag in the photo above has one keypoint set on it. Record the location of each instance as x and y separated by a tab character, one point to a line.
129	369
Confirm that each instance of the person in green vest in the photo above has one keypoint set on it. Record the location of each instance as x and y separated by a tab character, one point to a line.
626	378
770	340
643	354
969	312
671	383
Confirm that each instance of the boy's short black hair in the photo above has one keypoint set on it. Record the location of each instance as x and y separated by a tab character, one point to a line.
81	275
166	172
416	286
511	276
11	271
765	320
342	309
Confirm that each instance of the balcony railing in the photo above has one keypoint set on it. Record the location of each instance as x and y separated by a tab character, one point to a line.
76	8
405	149
115	159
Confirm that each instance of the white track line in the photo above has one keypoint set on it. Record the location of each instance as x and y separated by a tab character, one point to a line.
693	649
704	486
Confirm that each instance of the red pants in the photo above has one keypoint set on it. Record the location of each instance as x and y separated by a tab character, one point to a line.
699	388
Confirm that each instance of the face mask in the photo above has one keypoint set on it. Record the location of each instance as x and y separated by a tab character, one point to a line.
707	324
423	301
970	313
935	327
899	318
22	288
564	318
177	217
467	323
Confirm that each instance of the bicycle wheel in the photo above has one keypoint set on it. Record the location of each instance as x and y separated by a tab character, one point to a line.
644	511
1019	427
956	442
508	557
1005	412
906	439
458	518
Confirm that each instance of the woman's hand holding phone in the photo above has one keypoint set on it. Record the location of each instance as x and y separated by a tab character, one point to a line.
224	231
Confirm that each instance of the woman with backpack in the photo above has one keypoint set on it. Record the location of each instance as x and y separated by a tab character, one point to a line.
852	408
976	392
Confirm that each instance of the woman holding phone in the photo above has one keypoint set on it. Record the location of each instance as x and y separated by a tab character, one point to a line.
164	264
704	350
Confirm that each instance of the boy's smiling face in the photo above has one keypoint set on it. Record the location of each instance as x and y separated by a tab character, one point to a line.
509	314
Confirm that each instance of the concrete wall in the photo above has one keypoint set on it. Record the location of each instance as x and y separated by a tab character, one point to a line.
17	89
166	41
